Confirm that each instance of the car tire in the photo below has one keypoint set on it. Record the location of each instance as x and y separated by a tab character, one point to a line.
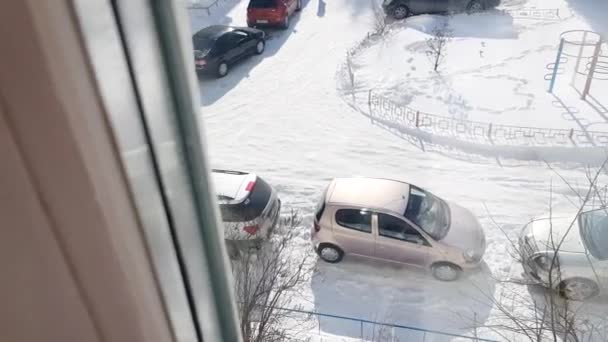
476	6
578	289
222	69
260	46
299	6
285	24
330	253
446	271
400	12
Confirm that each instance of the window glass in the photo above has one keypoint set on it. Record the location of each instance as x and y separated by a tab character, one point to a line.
262	3
355	219
202	43
393	227
224	43
594	230
249	209
429	212
239	35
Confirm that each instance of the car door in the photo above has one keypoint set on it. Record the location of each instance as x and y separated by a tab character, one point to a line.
225	48
399	241
352	229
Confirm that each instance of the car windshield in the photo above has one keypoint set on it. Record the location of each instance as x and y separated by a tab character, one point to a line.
262	3
429	212
594	233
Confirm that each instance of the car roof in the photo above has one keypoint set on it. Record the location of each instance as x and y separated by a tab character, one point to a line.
231	186
213	31
373	193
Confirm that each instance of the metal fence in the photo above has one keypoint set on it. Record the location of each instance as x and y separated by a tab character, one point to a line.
205	5
369	330
534	13
388	112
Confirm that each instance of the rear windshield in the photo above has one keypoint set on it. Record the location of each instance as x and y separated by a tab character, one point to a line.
202	43
262	3
251	207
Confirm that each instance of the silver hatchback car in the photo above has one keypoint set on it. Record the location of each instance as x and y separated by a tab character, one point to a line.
571	246
399	222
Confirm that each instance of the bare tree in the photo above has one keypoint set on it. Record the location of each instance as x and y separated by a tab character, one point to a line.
437	44
267	283
548	312
382	333
380	24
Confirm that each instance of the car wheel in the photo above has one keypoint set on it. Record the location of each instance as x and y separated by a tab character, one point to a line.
578	289
330	253
475	6
299	5
259	47
446	271
222	69
285	24
400	12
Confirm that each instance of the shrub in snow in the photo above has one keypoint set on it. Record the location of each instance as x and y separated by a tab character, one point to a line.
267	281
437	44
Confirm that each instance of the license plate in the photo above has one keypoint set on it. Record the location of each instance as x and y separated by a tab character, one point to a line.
262	21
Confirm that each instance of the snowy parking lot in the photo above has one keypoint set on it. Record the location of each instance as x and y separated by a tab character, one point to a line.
290	116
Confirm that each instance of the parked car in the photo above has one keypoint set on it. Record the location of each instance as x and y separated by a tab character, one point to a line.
249	207
400	9
218	47
271	12
399	222
577	254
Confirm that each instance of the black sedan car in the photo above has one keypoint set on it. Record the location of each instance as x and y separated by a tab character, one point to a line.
218	47
400	9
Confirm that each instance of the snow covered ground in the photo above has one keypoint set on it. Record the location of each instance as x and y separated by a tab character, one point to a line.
280	115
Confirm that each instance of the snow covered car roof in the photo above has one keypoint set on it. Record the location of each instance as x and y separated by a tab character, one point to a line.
387	194
232	186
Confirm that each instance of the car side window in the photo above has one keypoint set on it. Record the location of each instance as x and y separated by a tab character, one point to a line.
395	228
224	43
239	35
356	219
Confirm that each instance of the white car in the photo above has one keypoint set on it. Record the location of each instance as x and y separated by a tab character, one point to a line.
249	206
580	270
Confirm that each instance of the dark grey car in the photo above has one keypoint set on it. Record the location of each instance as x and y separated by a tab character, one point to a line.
400	9
218	47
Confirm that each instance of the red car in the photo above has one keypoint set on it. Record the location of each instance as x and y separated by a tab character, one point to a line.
271	12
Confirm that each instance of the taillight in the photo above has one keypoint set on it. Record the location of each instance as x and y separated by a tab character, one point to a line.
250	186
252	230
317	226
